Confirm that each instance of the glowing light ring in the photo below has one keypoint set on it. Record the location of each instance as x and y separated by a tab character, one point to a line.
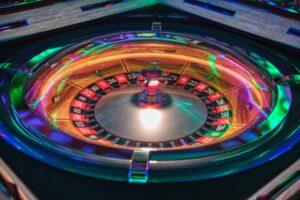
107	41
32	143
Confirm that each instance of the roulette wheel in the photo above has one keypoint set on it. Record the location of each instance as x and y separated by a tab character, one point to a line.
148	100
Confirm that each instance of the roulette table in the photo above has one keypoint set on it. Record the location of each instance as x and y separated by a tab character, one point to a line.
148	107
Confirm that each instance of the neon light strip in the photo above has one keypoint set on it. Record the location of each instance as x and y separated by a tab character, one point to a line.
41	56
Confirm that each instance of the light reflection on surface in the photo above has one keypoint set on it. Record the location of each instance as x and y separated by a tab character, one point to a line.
150	118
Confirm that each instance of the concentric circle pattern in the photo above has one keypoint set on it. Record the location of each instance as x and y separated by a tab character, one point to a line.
223	107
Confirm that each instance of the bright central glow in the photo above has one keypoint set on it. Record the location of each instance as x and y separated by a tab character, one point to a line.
150	118
153	82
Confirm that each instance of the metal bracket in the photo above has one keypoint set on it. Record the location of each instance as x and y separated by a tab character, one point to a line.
156	26
139	166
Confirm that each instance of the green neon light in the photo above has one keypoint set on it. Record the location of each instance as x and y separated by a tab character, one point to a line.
87	51
146	34
296	77
281	109
7	65
211	63
41	56
283	102
292	133
16	92
28	2
273	71
61	86
137	179
55	120
257	85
